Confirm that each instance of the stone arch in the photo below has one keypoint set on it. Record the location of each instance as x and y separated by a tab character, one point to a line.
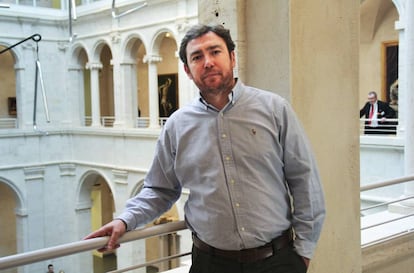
17	194
132	43
8	77
94	210
136	76
102	80
96	51
158	38
86	183
13	207
80	82
398	6
372	13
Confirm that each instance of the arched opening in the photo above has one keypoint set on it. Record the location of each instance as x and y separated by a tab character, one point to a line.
142	81
86	84
96	194
136	81
378	65
81	83
8	234
8	105
106	88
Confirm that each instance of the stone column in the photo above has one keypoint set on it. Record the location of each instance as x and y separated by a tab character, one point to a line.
324	63
132	252
21	117
95	97
76	94
316	87
405	90
154	114
230	14
129	110
34	177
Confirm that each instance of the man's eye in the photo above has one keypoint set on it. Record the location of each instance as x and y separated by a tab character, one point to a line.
196	58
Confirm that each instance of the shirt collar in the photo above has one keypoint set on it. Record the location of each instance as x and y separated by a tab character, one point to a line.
233	96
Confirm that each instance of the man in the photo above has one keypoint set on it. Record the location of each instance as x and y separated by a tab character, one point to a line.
376	112
244	157
50	268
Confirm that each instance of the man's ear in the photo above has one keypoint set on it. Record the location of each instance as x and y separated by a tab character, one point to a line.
233	59
187	70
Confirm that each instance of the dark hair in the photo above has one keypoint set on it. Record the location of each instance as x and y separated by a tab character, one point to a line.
198	31
373	93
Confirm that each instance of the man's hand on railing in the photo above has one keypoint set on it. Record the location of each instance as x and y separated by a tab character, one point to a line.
114	230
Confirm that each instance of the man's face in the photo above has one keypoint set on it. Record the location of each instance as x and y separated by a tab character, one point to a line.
372	98
209	63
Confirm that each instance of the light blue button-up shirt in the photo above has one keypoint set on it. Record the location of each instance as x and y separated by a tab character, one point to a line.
241	165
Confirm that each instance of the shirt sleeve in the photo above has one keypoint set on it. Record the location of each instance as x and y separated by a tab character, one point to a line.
302	178
160	191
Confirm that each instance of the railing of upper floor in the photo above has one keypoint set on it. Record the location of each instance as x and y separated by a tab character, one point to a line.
106	121
62	4
379	227
8	123
383	127
140	122
96	243
387	128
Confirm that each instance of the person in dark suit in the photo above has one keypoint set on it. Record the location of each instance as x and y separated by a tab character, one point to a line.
377	112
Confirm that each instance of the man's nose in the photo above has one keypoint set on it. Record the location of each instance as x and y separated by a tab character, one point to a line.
208	61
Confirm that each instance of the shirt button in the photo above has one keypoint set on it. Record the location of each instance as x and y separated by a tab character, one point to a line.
242	229
223	135
232	181
227	158
237	205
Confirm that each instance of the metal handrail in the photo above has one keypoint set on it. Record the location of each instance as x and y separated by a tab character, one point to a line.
86	245
389	182
129	268
388	221
388	126
382	184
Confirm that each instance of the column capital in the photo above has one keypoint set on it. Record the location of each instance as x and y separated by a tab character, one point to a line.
152	58
115	37
182	25
399	25
93	66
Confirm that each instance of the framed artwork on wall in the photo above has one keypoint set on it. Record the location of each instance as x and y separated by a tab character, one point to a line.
389	81
167	94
